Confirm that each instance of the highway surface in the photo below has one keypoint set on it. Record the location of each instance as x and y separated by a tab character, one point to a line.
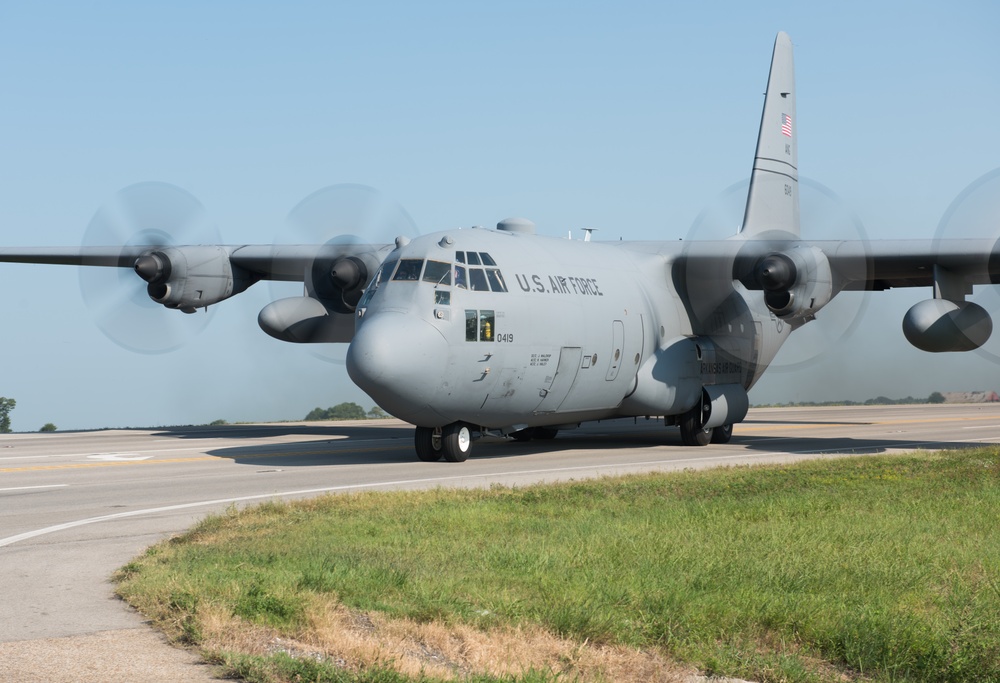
76	506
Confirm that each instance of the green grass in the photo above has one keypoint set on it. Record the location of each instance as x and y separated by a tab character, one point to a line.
875	568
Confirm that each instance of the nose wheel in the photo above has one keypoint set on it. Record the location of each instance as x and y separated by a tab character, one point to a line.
452	442
427	443
456	442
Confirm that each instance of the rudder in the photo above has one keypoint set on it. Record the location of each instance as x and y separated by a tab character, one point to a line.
773	199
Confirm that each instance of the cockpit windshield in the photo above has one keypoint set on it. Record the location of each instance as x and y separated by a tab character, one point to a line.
475	271
479	273
438	272
409	269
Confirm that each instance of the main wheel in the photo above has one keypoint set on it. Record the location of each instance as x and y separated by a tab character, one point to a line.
545	433
722	434
428	443
692	433
456	442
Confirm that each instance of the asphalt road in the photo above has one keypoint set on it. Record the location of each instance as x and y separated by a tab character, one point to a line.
76	506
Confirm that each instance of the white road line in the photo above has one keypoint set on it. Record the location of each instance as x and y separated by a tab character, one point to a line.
10	540
27	488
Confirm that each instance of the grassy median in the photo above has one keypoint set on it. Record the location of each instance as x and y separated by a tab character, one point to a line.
869	568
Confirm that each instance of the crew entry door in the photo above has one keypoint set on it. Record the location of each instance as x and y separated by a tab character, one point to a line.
560	385
617	349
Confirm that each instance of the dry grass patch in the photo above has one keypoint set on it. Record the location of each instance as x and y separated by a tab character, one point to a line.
356	641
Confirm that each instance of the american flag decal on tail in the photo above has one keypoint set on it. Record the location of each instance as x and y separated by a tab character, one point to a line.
786	125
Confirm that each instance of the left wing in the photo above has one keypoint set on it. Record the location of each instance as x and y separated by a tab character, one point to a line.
196	276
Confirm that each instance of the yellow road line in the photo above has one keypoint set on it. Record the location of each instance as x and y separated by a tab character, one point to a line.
202	458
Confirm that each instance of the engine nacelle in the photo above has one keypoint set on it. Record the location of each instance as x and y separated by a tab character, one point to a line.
939	325
188	278
338	279
305	320
797	282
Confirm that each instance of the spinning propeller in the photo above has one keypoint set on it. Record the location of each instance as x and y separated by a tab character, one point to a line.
357	227
975	213
780	270
152	214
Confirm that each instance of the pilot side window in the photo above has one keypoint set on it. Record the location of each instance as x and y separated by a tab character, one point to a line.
480	325
471	325
381	275
384	273
487	326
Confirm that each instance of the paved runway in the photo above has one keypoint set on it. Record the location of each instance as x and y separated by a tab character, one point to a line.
75	506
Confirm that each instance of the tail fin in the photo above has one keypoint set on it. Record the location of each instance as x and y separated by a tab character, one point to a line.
773	200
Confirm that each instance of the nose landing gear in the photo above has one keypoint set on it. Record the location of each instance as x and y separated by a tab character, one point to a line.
452	442
427	443
456	442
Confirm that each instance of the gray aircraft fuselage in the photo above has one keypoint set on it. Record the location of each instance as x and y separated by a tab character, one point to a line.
551	332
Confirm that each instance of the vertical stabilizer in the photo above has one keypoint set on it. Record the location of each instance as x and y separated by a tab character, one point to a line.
773	200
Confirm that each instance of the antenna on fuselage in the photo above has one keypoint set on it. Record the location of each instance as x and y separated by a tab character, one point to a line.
587	232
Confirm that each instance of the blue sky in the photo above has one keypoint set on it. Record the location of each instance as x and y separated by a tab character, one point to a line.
631	119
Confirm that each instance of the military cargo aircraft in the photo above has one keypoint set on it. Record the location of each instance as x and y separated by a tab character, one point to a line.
479	331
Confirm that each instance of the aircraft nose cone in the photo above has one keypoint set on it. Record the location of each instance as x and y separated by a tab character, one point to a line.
399	361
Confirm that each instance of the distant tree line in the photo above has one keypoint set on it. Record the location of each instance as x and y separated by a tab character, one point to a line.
936	397
344	411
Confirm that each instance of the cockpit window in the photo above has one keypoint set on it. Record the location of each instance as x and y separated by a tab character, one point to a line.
381	275
460	280
473	258
385	272
496	280
460	256
438	272
477	279
487	259
409	269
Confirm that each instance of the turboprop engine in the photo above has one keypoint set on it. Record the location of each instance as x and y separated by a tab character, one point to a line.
939	325
796	282
334	284
192	277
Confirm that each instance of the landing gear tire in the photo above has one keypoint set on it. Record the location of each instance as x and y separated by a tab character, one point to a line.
427	441
456	442
722	434
692	433
545	433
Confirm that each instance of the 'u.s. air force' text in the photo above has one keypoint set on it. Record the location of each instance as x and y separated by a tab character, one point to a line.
558	284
